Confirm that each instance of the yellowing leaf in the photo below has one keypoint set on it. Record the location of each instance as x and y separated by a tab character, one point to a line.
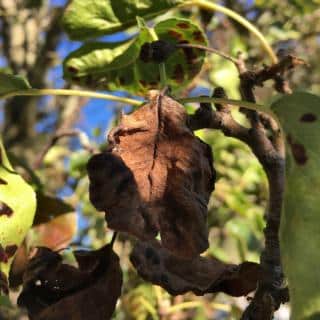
17	209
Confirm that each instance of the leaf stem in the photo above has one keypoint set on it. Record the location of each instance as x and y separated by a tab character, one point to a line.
206	4
133	102
212	50
245	104
162	66
163	75
69	92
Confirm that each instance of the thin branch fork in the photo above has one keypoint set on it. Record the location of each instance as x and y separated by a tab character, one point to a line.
59	134
271	154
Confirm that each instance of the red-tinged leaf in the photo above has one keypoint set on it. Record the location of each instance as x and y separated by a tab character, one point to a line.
56	234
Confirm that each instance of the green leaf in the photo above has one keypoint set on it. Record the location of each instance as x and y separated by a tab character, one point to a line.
90	19
10	83
299	115
17	209
115	66
184	64
78	164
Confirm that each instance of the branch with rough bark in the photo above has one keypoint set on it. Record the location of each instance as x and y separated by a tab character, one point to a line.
270	151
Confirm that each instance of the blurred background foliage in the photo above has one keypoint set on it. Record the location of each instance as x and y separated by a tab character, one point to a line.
33	44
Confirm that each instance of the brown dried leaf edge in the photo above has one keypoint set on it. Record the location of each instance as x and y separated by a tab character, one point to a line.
156	177
199	275
53	290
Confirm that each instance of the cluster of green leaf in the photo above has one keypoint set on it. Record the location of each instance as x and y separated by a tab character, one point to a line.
117	65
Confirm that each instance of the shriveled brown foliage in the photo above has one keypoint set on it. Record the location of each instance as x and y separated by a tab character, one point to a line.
200	275
53	290
156	177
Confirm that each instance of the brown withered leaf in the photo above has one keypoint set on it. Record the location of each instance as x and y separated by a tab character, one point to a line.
53	290
19	265
200	275
157	177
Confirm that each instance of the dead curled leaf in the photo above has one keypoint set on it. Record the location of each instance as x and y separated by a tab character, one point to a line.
157	177
200	275
53	290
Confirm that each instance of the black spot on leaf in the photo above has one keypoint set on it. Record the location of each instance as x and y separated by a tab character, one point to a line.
298	151
2	181
183	25
11	250
197	36
308	117
72	69
7	252
178	73
5	210
3	255
145	52
175	34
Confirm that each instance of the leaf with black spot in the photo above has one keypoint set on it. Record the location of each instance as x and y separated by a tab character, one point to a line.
123	65
299	115
17	209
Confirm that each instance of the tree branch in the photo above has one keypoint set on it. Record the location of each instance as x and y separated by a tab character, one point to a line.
270	292
270	151
59	134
